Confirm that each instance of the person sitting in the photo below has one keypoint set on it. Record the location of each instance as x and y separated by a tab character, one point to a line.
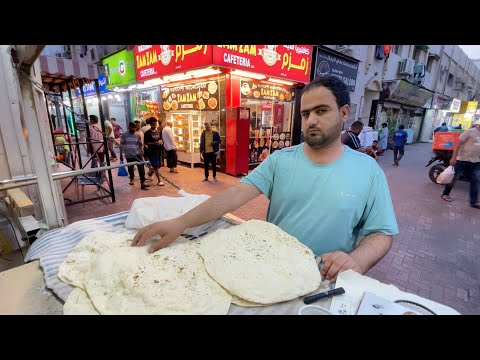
378	151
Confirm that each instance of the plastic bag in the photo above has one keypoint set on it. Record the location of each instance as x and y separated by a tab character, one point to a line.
446	177
122	171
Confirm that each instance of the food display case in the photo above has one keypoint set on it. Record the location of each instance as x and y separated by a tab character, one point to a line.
187	128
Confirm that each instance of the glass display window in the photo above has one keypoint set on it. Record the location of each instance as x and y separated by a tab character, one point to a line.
187	128
146	103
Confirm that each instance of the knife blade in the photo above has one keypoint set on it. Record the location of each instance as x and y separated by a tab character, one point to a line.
324	294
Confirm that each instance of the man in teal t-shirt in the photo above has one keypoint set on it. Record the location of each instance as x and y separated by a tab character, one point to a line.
321	192
327	206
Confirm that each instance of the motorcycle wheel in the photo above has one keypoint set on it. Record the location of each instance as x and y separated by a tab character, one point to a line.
435	171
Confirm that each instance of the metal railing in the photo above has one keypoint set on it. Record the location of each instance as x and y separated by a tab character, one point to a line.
32	179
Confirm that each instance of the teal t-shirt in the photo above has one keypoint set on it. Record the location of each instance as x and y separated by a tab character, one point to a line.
326	207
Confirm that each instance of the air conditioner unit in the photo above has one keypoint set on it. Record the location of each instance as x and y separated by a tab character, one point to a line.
406	66
459	79
458	86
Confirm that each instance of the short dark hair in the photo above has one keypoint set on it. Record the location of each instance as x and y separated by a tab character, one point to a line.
93	118
444	124
132	124
137	121
150	119
356	125
384	124
374	141
332	83
401	126
113	119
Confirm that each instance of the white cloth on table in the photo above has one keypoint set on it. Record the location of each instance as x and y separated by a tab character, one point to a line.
52	248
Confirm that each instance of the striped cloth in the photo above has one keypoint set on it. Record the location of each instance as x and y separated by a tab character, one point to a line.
52	248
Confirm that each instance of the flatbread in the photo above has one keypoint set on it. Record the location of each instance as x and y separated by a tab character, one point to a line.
78	303
238	301
77	263
172	280
260	263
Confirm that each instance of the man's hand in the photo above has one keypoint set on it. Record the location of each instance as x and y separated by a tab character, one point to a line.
168	230
453	161
336	262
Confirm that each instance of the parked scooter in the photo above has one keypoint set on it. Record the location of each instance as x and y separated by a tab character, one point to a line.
443	157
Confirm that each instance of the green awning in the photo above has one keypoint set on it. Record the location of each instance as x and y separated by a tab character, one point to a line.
422	47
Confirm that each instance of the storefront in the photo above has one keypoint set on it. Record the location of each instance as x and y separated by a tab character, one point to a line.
403	103
120	79
442	111
200	82
464	118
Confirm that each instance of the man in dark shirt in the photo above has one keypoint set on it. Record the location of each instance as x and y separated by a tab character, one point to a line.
399	140
442	128
350	137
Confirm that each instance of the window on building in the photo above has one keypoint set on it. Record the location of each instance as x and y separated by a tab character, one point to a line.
430	63
415	54
92	53
397	49
450	80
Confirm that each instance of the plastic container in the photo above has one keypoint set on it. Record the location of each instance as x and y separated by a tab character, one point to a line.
445	140
313	310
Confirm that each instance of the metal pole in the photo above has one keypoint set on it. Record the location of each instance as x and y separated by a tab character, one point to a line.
75	130
50	124
107	151
32	179
85	117
66	123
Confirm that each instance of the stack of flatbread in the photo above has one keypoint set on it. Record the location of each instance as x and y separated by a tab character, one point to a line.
251	264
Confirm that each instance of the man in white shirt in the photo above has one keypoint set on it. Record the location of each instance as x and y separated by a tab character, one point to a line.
110	138
383	140
146	127
170	147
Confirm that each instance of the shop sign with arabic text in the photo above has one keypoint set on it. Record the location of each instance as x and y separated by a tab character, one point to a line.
153	61
290	62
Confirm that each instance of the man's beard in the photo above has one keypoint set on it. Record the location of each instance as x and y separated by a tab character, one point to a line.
321	138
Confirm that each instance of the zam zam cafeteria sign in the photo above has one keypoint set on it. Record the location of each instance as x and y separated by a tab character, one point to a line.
290	62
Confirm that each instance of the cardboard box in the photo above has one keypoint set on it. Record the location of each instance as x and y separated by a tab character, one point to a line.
445	140
20	203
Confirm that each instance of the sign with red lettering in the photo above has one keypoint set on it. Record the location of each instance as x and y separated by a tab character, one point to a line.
153	61
290	62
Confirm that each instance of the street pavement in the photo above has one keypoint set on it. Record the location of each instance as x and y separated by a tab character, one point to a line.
435	255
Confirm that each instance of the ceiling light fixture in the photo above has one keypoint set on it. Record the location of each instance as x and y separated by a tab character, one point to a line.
284	82
247	74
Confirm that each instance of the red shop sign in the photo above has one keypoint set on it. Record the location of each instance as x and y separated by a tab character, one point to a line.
153	61
290	62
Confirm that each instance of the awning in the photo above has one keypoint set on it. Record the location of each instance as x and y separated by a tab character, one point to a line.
406	93
59	71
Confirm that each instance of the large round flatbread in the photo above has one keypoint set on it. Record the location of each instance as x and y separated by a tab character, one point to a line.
172	280
78	303
72	270
238	301
260	263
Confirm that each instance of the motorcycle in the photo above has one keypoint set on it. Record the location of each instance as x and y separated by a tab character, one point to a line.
443	157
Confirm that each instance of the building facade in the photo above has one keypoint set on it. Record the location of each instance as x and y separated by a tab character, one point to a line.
419	86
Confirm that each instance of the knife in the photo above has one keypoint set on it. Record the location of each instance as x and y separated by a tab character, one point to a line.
324	294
